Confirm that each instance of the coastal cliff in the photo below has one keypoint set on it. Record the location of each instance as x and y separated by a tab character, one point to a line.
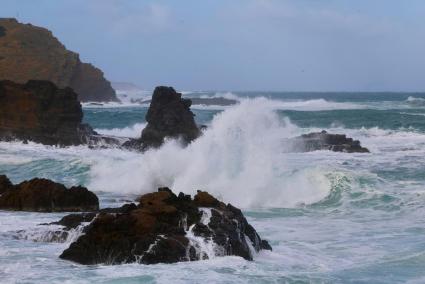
41	112
29	52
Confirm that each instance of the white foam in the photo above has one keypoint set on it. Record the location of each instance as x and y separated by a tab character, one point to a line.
133	131
226	95
92	105
415	100
8	159
239	158
297	105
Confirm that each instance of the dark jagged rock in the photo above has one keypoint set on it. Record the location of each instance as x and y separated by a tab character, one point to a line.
33	53
5	184
169	116
39	111
72	221
42	195
72	225
326	141
165	228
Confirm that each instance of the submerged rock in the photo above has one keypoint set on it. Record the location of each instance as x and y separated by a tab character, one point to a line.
39	111
326	141
42	195
165	228
168	116
29	52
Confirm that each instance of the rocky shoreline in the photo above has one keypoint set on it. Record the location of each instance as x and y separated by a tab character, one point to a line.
39	111
162	228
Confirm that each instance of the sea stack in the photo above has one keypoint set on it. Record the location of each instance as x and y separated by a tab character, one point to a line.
41	112
28	52
169	116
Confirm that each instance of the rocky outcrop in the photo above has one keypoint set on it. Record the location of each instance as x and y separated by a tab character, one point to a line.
168	116
42	195
5	184
326	141
41	112
165	228
28	53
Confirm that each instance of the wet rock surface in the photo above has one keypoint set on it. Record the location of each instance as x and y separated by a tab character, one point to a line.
168	116
32	53
166	228
42	195
326	141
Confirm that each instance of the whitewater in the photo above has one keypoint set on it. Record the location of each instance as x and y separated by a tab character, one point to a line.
330	217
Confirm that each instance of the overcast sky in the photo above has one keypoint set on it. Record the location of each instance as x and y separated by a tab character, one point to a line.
278	45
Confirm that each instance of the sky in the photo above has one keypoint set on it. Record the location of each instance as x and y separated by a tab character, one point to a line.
245	45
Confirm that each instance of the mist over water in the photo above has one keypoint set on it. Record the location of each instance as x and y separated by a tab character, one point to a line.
330	217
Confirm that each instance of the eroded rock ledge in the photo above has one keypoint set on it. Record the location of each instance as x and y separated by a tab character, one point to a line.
43	195
164	228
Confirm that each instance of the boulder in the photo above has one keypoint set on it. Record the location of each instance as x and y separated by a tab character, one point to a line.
43	195
39	111
166	228
168	116
326	141
28	52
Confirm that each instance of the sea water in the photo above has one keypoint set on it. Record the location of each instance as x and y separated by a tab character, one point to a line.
330	217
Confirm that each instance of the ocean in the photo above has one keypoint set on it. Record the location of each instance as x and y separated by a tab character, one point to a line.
330	217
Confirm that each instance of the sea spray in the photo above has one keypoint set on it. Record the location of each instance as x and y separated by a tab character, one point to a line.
240	158
371	222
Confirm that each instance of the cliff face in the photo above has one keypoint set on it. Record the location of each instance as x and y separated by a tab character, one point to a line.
28	52
41	112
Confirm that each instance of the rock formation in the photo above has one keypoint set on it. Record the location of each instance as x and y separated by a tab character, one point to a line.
42	195
326	141
40	112
165	228
28	52
169	116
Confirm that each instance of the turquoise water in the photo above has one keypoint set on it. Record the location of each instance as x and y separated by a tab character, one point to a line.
330	217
